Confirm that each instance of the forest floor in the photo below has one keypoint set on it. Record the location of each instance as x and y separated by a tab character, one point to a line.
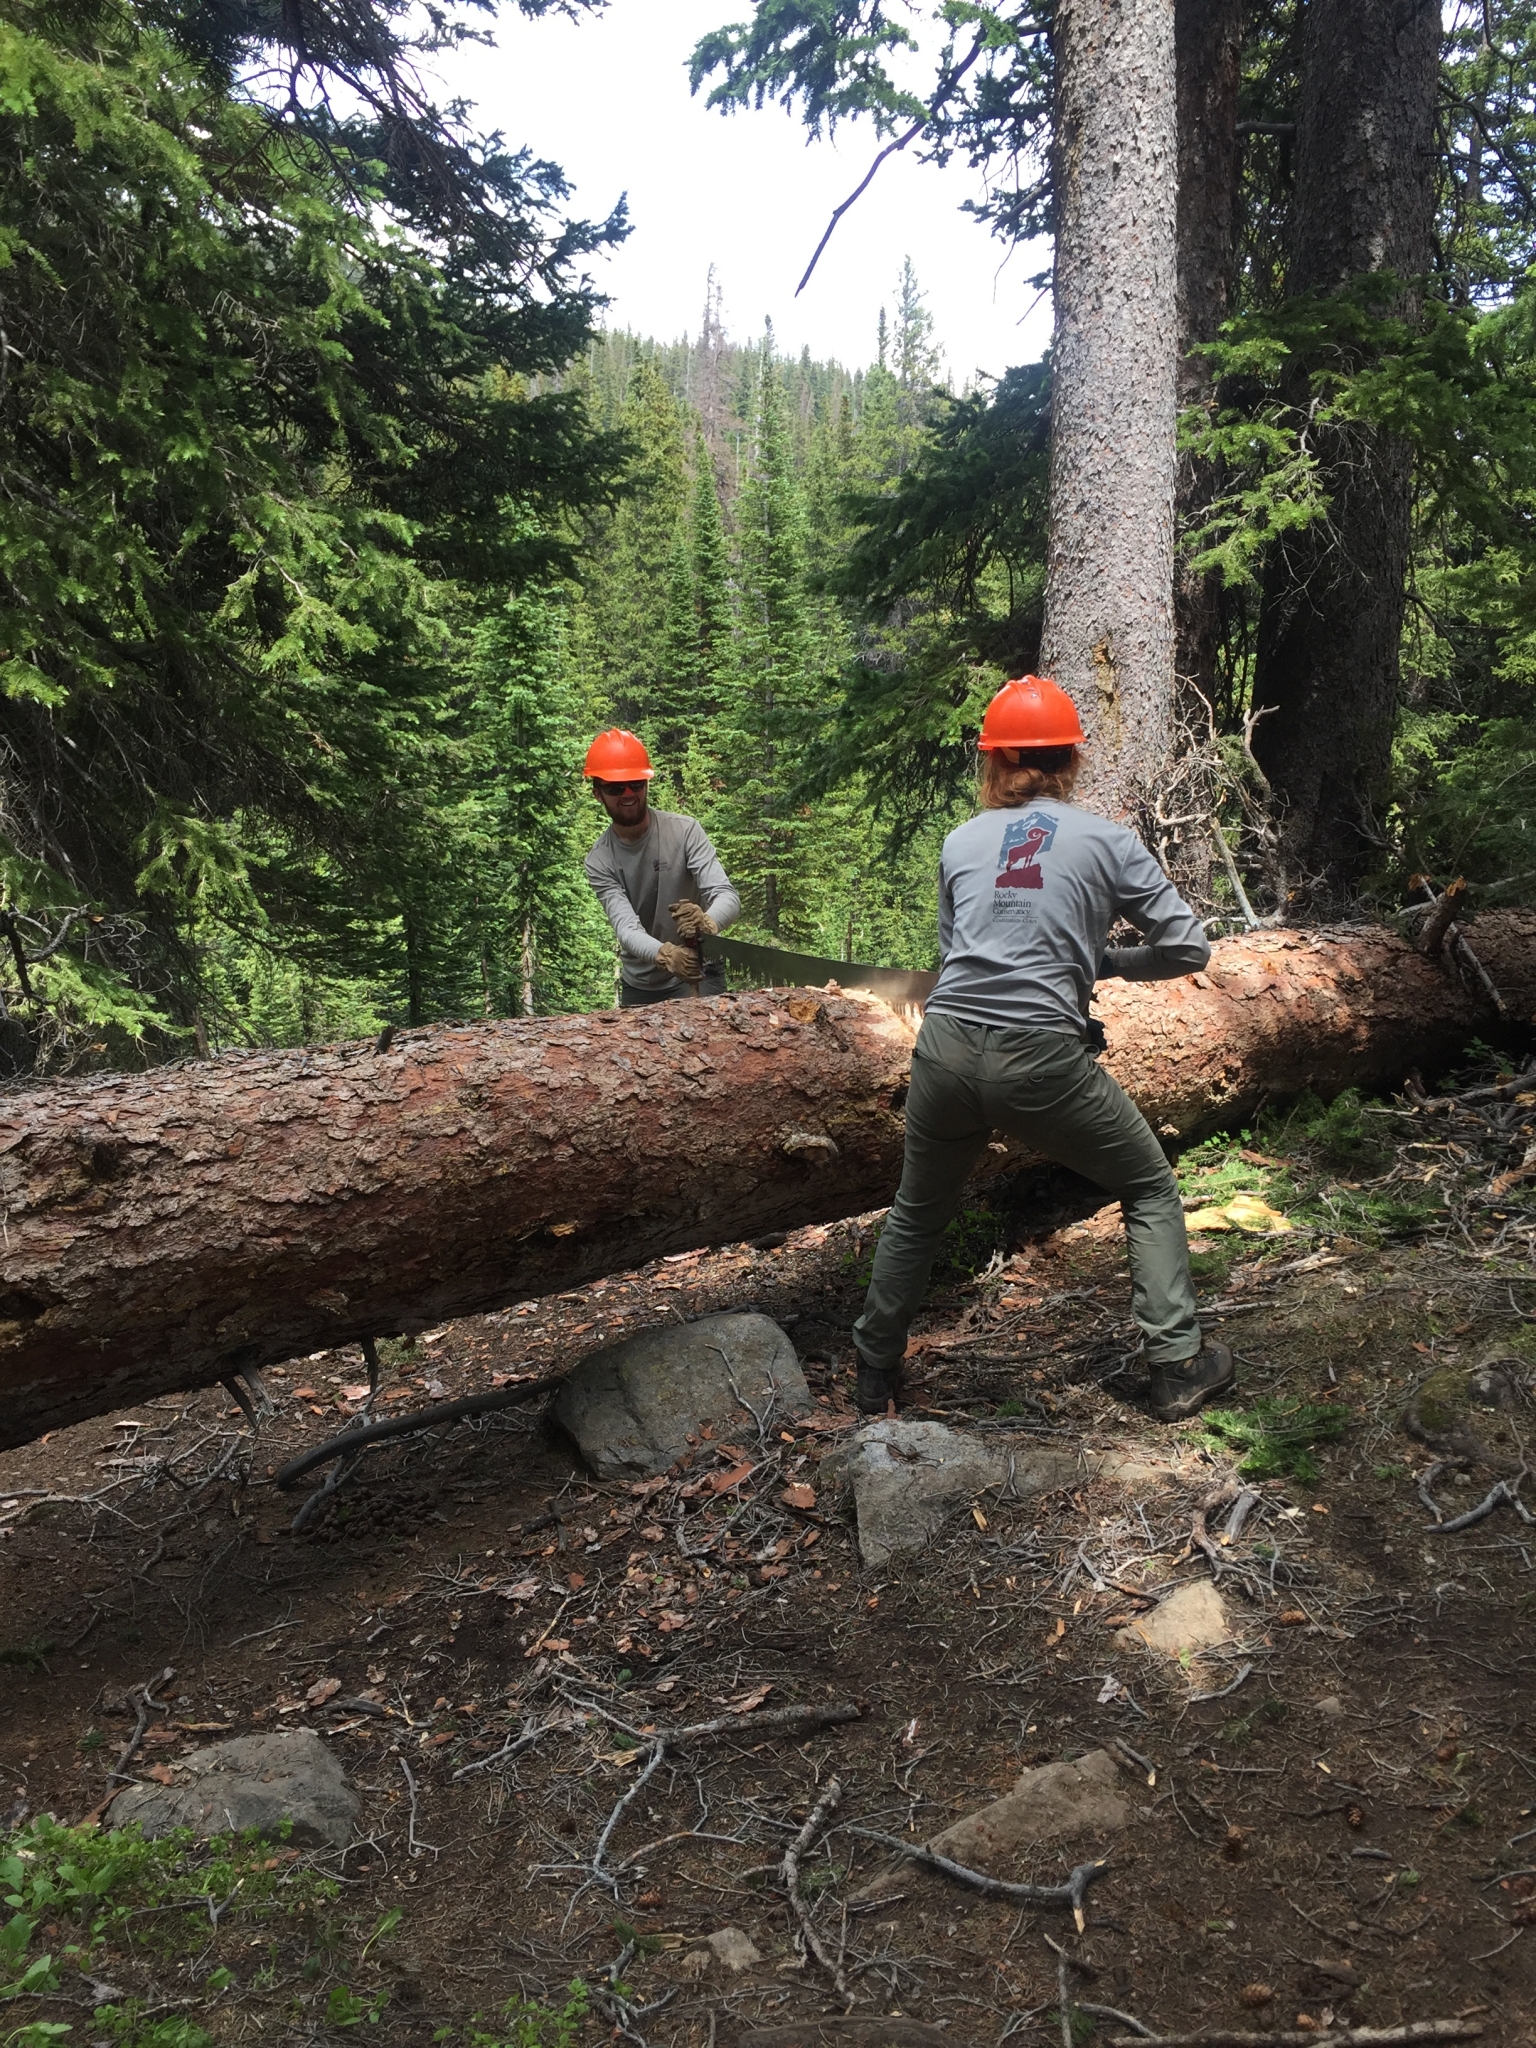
1333	1818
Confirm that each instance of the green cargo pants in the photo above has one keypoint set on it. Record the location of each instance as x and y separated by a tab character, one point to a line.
1043	1087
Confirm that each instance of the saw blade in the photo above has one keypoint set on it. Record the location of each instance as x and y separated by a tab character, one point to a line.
773	967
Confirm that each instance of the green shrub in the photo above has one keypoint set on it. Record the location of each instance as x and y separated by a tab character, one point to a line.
1275	1437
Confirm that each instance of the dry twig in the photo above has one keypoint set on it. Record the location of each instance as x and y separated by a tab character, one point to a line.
1072	1893
789	1874
1328	2037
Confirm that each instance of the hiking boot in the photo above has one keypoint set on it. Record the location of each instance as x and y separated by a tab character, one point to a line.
1183	1388
876	1388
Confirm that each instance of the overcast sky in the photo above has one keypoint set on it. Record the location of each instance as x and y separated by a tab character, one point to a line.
607	98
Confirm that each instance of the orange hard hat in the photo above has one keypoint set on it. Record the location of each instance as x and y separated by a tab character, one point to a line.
617	756
1033	712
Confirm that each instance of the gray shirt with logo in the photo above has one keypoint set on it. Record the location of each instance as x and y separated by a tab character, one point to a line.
1026	901
635	882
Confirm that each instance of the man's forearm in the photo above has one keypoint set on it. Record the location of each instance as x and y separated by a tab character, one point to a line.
724	907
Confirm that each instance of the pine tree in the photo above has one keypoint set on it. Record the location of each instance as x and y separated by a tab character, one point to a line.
631	583
712	586
537	939
766	835
682	656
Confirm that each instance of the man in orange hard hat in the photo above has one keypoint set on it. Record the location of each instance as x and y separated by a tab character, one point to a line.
658	879
1029	890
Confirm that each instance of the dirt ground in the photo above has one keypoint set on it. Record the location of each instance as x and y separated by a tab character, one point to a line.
1333	1814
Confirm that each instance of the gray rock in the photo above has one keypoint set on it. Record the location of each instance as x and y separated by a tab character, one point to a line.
632	1406
256	1781
733	1948
907	1478
1053	1803
728	1948
1191	1618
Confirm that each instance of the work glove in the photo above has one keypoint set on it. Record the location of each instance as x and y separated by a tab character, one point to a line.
681	961
693	921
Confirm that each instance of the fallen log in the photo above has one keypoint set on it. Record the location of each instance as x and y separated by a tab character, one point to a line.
167	1230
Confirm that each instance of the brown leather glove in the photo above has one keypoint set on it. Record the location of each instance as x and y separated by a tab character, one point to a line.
681	961
693	920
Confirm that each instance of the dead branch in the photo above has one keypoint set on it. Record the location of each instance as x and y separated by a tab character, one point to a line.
407	1425
789	1877
1440	928
143	1697
1332	2037
416	1846
1503	1494
1432	933
1070	1894
1126	2019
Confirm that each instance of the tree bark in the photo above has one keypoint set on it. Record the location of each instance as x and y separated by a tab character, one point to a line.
1327	664
165	1230
1108	633
1208	38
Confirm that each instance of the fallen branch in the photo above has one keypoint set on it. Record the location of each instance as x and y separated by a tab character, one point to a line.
1126	2019
779	1719
1244	1672
1433	931
1502	1494
1325	2037
1070	1894
146	1704
407	1425
1200	1536
789	1875
1440	930
800	1720
1063	1994
416	1847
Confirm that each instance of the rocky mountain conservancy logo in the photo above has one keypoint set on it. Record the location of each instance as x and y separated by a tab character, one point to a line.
1018	858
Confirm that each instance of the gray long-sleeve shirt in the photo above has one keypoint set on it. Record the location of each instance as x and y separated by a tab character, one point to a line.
1026	901
635	882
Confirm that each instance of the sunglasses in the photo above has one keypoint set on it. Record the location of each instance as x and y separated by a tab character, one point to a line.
617	787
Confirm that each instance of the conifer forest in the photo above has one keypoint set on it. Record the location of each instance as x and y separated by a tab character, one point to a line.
538	1515
337	518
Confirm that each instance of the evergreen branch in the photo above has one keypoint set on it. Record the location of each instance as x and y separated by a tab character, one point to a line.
891	149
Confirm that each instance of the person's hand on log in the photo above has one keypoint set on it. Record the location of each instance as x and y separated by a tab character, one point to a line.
681	961
693	921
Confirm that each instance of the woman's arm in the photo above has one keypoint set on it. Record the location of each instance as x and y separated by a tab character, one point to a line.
1175	939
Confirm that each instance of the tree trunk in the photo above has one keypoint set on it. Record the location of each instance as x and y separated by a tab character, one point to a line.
1108	634
1208	37
1332	615
165	1230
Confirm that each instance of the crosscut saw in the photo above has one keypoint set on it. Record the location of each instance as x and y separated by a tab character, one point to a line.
905	990
773	967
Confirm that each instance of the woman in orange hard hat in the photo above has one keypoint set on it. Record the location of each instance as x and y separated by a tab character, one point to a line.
658	879
1028	892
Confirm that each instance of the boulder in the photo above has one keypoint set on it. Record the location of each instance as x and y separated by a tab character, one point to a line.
632	1406
732	1949
907	1478
1051	1804
1471	1411
1192	1618
729	1948
256	1781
